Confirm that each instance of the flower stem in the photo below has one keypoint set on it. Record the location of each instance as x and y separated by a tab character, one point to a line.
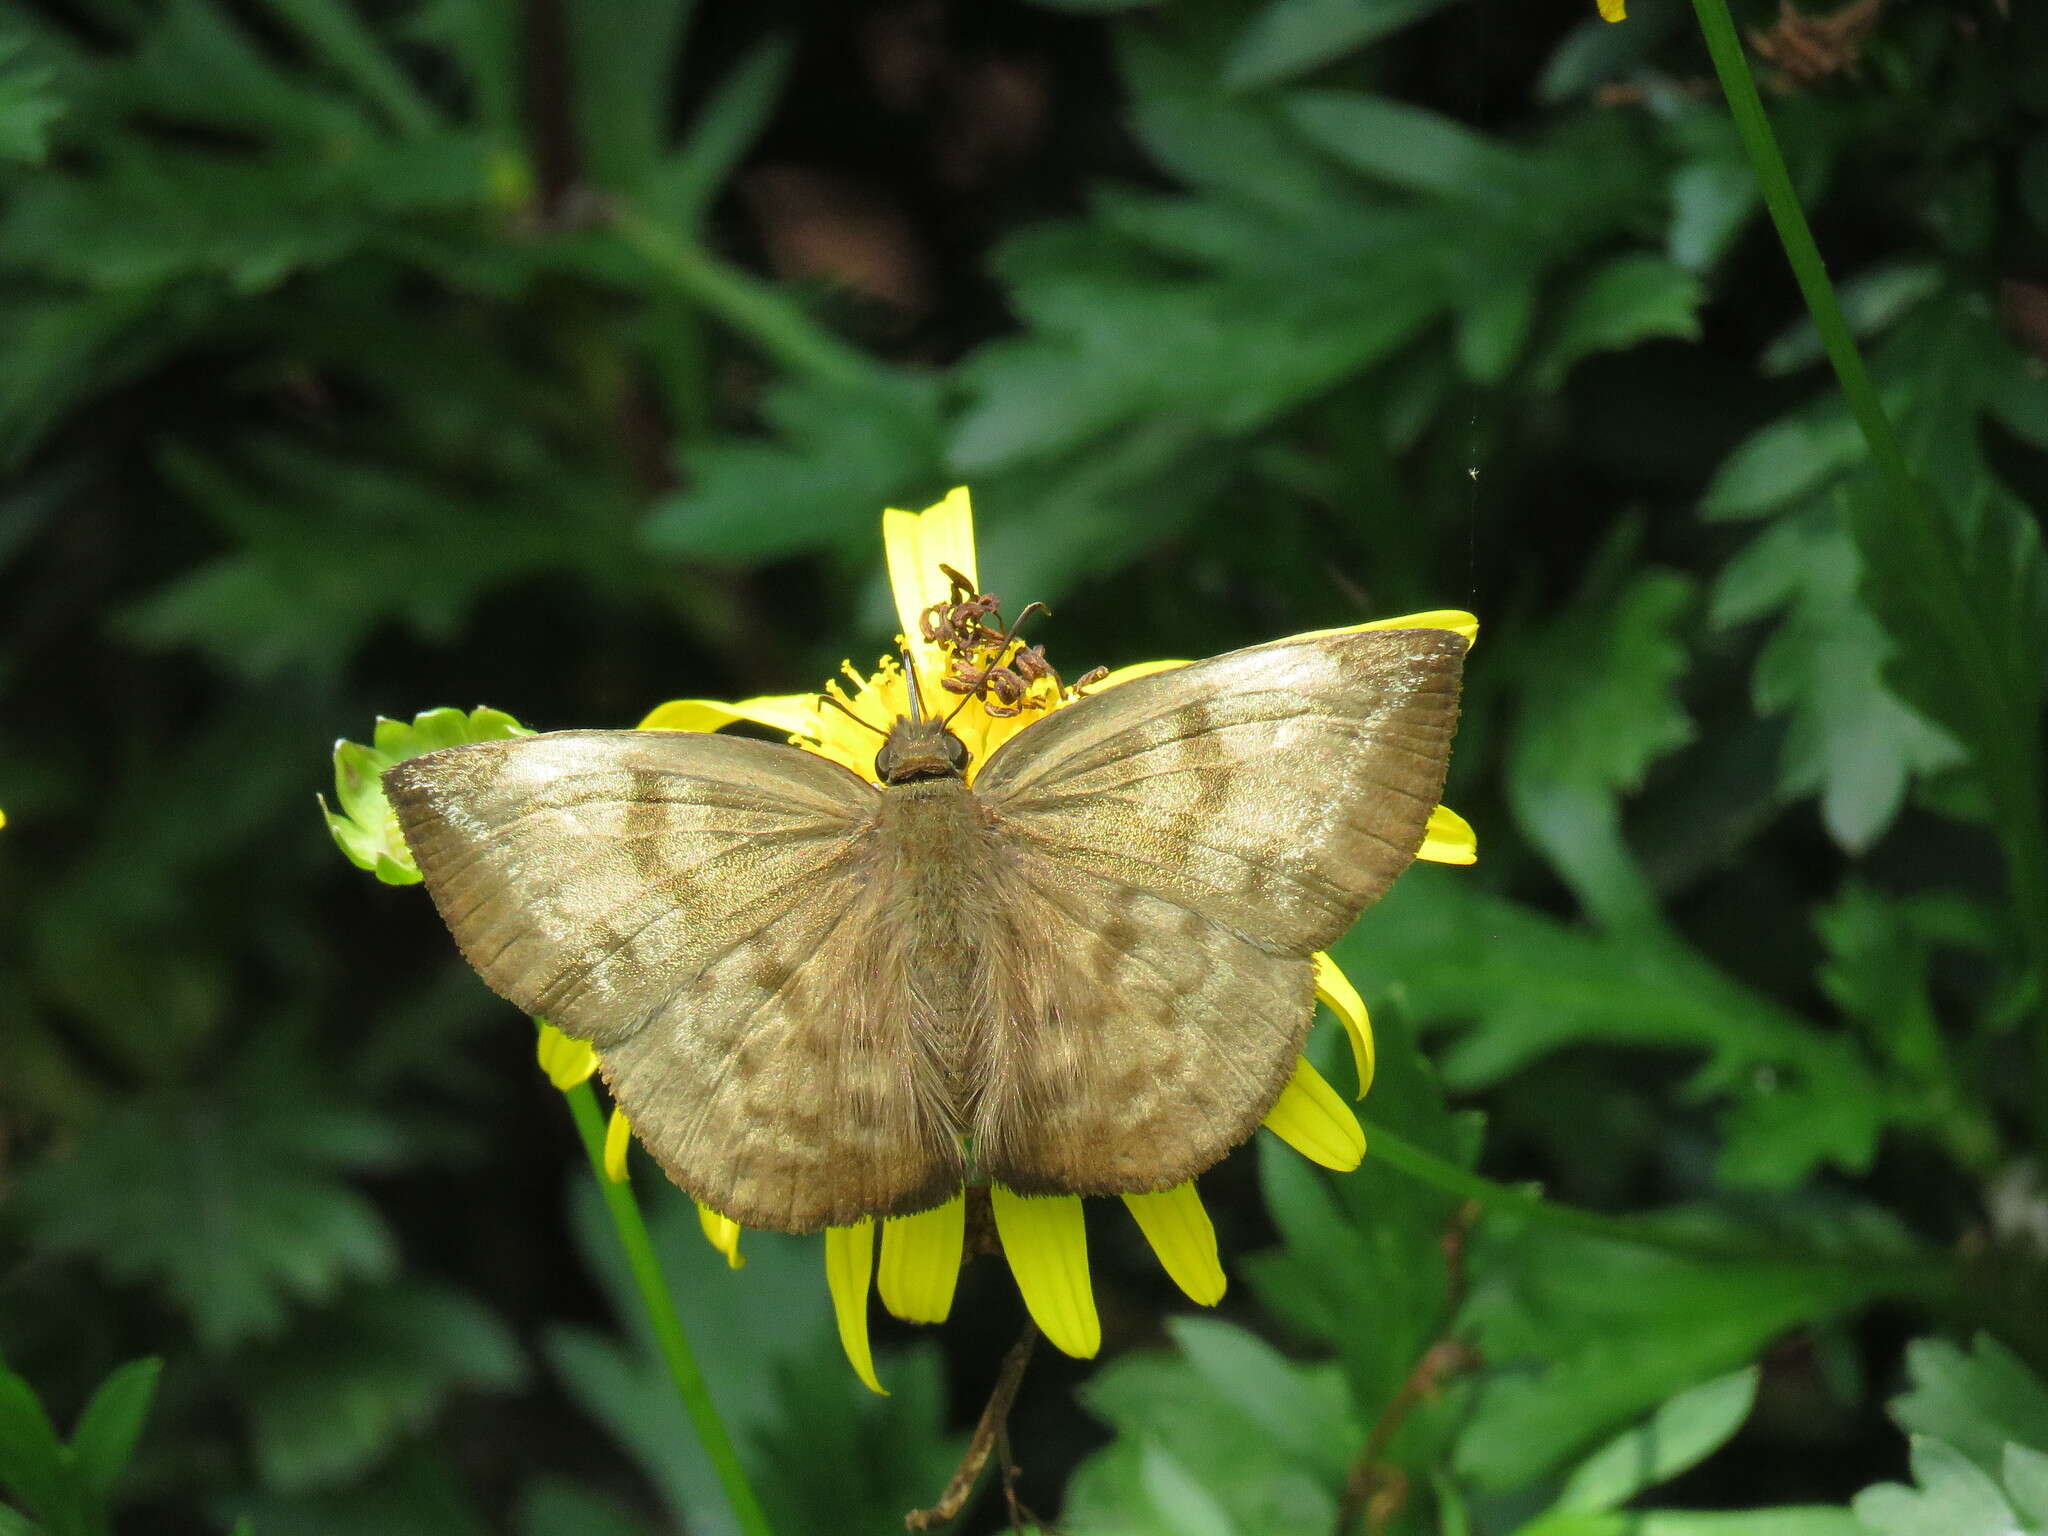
1897	1275
675	1348
761	313
2007	735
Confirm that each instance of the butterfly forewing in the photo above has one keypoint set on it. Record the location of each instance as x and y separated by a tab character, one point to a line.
1189	839
693	905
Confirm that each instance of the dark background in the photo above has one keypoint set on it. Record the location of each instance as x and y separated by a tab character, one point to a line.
359	359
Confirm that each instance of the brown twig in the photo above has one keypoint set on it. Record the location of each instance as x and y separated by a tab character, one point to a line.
1377	1491
995	1418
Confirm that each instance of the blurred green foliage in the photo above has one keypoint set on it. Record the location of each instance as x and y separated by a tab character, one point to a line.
360	357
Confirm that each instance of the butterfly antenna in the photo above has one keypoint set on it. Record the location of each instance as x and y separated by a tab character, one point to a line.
916	687
1003	645
844	709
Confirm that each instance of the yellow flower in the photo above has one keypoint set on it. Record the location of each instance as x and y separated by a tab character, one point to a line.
1613	10
933	576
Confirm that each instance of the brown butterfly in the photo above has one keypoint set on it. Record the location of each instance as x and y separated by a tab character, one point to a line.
820	998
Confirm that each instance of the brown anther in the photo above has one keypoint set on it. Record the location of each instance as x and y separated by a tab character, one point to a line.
1030	664
1089	679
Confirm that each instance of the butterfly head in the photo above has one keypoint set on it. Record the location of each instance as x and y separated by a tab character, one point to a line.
920	749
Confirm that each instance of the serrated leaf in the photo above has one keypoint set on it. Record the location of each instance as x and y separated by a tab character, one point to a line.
1601	706
1870	302
1401	145
1361	1268
1523	985
110	1424
1682	1432
1954	1497
623	59
331	1399
1629	300
1289	37
1850	739
1783	462
1180	1501
835	457
1976	1402
2026	1483
1593	1333
1226	1462
229	1200
764	1337
734	114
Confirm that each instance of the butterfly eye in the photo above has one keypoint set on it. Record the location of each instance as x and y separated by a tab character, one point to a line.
957	753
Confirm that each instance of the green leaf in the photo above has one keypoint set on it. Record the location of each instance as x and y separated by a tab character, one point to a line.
1783	462
1975	1402
13	1523
622	58
1790	1521
1522	985
419	1493
1593	1333
733	117
1980	673
1955	1497
1400	145
1361	1268
2026	1483
1181	1502
366	827
32	1461
1681	1433
1871	301
332	1398
836	457
764	1337
1628	300
1600	706
1849	738
110	1425
27	104
556	1506
1192	1453
229	1200
1289	37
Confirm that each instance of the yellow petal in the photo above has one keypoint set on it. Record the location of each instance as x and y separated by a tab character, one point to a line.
1135	670
795	713
1180	1233
566	1062
3	818
618	1136
1046	1243
917	544
1448	839
722	1233
1456	619
1334	989
921	1262
1613	10
849	1259
1310	1118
